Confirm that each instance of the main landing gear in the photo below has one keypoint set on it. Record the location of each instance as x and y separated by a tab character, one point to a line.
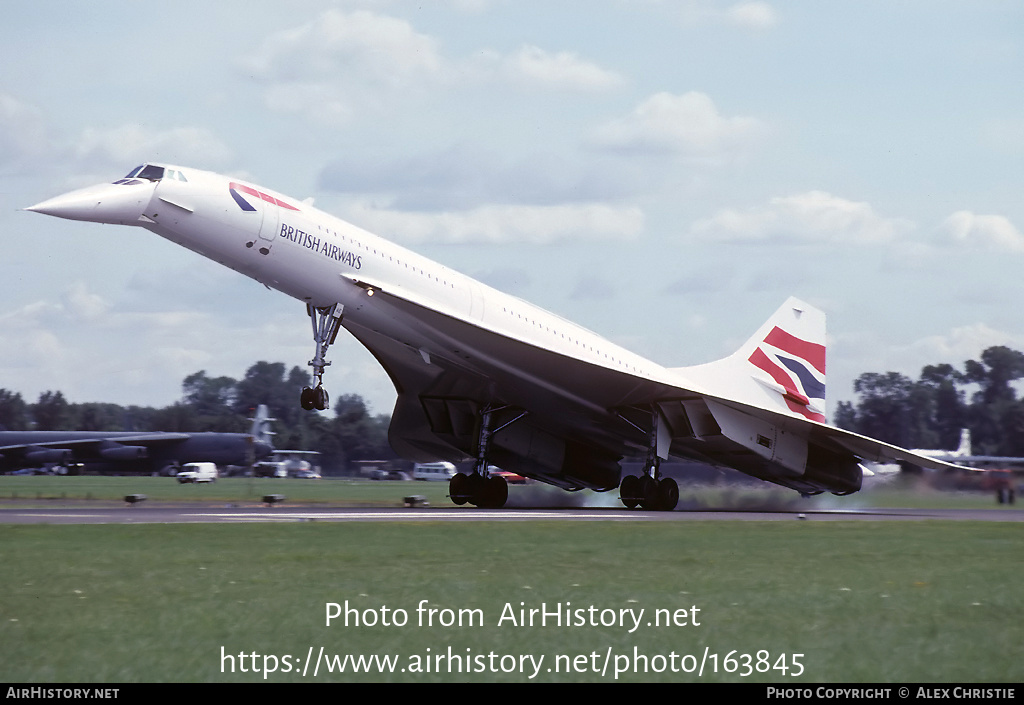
650	490
489	492
326	324
480	487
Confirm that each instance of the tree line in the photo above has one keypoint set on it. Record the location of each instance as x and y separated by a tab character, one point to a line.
926	413
929	412
223	404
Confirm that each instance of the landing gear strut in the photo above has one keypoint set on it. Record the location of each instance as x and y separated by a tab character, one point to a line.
326	324
650	490
480	487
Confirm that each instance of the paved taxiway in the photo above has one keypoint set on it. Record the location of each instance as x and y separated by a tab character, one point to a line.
155	514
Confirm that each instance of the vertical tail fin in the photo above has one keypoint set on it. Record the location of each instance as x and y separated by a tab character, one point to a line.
781	367
965	443
261	425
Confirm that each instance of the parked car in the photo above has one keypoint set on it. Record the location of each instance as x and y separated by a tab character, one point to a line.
198	472
441	471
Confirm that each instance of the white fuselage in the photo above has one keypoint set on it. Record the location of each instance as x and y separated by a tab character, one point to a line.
322	260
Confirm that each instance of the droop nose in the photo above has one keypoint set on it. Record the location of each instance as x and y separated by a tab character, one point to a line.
120	204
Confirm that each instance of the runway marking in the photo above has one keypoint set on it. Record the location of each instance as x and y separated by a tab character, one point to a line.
454	514
61	516
257	513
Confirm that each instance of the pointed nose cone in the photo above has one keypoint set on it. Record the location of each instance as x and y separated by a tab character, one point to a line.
106	203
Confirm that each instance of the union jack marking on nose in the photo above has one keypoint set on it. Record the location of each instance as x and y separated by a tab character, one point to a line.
234	189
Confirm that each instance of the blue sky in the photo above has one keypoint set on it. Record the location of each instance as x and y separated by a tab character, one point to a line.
665	173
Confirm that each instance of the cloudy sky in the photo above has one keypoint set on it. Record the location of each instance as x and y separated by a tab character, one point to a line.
664	172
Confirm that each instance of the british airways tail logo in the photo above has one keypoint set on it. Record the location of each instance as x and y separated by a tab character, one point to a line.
798	366
235	188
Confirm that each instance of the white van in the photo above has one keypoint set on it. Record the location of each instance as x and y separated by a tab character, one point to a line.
198	472
433	471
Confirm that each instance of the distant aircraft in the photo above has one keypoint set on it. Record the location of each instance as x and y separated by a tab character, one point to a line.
963	455
962	451
986	472
281	463
483	375
135	452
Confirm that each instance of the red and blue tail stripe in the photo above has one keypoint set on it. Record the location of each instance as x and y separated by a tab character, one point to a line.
796	365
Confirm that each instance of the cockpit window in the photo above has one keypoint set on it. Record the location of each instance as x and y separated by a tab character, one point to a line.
151	172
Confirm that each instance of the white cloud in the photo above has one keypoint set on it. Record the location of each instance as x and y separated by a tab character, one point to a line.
1004	134
130	144
687	124
463	176
471	6
78	301
93	350
562	70
755	15
505	223
23	132
29	144
338	44
333	106
871	352
811	217
986	231
341	60
963	343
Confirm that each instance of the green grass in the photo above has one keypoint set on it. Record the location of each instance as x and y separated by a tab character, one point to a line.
339	493
892	602
46	490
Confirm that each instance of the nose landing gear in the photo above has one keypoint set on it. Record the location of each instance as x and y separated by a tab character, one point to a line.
315	398
326	324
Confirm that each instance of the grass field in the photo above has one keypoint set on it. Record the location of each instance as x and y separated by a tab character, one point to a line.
878	602
47	490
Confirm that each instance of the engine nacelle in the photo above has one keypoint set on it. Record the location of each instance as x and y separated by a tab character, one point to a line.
529	451
59	456
834	472
116	451
590	467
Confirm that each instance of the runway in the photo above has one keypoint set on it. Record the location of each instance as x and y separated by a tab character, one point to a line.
155	514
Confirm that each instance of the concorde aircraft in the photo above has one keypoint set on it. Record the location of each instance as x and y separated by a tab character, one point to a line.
483	375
